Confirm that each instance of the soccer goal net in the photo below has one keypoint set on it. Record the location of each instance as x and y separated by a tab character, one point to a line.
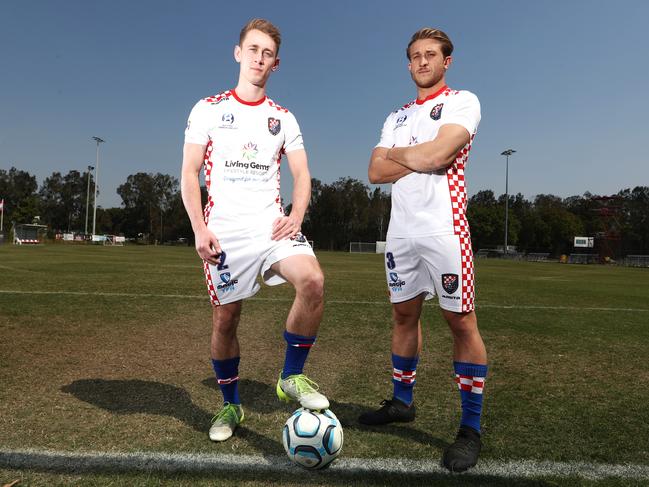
114	240
367	247
637	260
29	234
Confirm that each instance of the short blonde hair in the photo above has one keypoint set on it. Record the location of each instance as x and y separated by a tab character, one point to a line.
264	26
430	33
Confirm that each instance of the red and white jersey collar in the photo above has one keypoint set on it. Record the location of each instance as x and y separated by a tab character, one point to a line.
434	95
249	103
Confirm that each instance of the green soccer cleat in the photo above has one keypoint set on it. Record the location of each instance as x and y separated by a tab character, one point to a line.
226	421
303	390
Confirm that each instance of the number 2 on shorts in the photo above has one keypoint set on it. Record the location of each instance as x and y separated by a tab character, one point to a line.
221	265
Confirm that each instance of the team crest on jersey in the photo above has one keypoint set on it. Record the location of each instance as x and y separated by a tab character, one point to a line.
394	277
436	112
228	118
450	282
225	277
274	125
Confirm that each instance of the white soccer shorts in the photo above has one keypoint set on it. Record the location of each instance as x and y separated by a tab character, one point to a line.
435	265
243	257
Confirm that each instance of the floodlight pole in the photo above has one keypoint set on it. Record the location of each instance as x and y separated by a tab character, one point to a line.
94	209
506	153
90	168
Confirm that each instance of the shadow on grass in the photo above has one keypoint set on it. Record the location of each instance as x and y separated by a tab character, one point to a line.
261	398
255	395
348	414
139	396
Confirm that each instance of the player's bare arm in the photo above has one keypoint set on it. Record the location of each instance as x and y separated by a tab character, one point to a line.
207	245
288	226
435	154
384	170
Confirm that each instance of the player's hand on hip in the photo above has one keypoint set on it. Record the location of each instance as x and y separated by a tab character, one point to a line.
207	246
285	227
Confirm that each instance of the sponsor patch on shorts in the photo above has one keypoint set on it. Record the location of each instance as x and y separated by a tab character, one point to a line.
450	282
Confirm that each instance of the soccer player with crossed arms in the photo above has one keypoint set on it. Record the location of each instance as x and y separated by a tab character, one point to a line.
423	151
238	138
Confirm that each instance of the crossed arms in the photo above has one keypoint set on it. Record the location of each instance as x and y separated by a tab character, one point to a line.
390	165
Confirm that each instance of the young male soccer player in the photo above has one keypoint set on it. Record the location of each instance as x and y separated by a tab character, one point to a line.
238	138
423	149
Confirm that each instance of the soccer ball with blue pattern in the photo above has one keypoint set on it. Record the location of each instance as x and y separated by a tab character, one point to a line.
312	439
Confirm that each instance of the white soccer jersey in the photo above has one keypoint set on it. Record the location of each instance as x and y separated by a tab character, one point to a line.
244	146
425	204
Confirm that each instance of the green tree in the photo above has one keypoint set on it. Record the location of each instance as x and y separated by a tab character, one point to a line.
559	224
63	201
18	189
635	220
146	198
339	213
484	220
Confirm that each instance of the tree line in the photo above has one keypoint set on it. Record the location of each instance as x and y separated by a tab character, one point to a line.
342	211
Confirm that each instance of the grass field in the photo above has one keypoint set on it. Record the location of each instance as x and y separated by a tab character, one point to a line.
106	349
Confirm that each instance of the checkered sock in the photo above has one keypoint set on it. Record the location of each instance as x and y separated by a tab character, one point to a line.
227	377
297	350
470	381
404	372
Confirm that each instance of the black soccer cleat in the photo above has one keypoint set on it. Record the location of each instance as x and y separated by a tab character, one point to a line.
391	411
463	453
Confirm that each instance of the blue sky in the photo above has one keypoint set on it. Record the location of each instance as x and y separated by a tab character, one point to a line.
562	82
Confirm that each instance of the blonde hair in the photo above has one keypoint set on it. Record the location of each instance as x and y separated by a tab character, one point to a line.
264	26
435	34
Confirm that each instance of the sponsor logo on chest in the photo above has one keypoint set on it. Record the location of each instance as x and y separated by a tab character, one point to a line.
227	121
401	122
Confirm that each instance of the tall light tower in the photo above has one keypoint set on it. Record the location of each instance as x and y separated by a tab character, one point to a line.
506	153
94	209
90	168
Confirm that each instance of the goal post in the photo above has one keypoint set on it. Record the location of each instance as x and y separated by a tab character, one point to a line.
377	247
114	240
29	234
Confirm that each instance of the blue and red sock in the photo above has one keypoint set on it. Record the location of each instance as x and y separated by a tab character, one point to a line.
227	377
404	373
470	380
297	350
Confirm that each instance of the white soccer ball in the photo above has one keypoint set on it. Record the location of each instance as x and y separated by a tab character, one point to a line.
312	439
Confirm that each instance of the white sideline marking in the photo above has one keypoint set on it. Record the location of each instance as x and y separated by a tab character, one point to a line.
332	301
204	463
